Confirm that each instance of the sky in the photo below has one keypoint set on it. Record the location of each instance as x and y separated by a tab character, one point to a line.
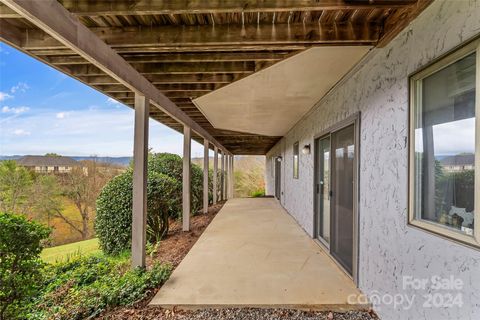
43	110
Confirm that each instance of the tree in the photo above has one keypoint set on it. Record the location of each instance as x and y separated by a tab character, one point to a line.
15	182
20	263
82	186
45	199
24	192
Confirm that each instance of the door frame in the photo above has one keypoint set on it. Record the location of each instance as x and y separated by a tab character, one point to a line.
277	175
355	120
316	215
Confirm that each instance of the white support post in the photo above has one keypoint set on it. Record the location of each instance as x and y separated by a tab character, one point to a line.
140	159
186	177
205	175
232	178
215	174
227	176
222	176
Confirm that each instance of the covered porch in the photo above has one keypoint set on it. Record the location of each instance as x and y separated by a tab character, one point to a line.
223	74
254	254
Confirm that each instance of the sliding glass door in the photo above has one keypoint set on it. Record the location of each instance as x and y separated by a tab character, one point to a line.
335	171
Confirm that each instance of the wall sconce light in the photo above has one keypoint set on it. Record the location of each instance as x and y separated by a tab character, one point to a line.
306	149
279	158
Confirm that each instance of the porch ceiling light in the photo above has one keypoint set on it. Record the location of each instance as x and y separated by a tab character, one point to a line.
279	158
306	149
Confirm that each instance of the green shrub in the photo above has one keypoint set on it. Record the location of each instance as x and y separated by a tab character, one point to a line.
86	286
113	223
258	193
172	165
20	264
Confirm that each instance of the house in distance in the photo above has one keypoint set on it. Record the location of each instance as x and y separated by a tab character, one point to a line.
48	163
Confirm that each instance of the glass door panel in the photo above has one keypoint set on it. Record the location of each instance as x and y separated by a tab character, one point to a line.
342	184
323	189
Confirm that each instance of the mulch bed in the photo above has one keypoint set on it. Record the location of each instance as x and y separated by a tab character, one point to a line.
177	244
150	313
173	249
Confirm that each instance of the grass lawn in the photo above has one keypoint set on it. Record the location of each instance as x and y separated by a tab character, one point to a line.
63	252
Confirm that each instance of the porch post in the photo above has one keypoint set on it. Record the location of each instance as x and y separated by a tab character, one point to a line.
227	176
205	175
222	176
215	173
232	178
186	177
140	159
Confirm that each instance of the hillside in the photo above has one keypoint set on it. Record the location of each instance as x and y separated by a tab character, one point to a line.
249	174
121	161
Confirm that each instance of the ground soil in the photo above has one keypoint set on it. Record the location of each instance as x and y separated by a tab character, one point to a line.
173	249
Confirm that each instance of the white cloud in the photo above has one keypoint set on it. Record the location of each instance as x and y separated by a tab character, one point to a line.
15	110
20	87
102	132
450	138
21	132
61	115
4	96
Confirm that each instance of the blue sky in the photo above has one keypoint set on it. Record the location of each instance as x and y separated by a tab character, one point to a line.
42	110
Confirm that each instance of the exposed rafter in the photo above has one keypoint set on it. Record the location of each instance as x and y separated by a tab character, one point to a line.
145	7
149	7
180	57
204	38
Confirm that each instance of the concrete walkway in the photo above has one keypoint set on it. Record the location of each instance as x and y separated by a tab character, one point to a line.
254	254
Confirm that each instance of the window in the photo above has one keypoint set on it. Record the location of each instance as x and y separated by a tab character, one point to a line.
445	146
295	160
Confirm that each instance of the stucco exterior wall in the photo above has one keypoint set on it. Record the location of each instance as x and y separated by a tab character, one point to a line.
378	89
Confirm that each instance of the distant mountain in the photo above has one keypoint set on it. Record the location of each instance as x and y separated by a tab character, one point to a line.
15	157
121	161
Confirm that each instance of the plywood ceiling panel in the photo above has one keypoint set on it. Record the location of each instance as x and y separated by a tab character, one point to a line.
272	100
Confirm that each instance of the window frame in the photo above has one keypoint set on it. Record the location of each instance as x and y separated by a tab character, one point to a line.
296	146
414	101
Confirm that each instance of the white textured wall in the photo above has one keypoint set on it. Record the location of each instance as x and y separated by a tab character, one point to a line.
378	89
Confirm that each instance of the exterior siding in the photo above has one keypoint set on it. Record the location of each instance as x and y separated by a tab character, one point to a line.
378	89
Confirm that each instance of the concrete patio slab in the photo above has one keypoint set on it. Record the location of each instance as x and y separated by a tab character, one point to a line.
254	254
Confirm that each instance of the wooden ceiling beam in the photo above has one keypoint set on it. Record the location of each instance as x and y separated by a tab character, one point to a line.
164	87
149	7
173	68
119	89
160	7
207	37
275	47
188	87
180	57
237	35
156	79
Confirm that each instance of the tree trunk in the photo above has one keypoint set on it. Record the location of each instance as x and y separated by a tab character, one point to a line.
85	219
